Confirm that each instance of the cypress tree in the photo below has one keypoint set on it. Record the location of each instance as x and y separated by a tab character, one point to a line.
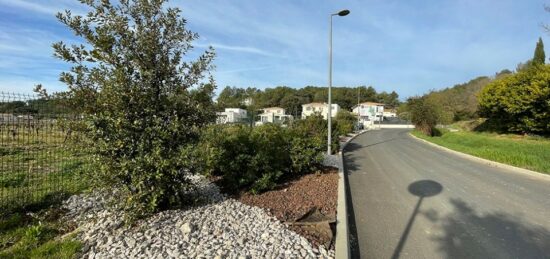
539	56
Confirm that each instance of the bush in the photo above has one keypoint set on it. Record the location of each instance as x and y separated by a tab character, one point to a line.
257	158
271	158
315	127
345	122
309	143
249	158
142	102
424	114
519	102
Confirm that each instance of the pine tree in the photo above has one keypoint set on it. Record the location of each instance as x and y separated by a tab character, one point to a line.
539	56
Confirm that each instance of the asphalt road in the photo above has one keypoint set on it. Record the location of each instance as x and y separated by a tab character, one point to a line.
411	200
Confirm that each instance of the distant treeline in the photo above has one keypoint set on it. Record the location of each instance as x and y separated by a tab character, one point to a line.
36	106
516	102
459	102
292	99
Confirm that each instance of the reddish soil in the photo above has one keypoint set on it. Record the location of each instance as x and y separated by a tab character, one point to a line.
291	201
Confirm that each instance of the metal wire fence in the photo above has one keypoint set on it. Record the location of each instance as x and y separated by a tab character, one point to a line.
41	157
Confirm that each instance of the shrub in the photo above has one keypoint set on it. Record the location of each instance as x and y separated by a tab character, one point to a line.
315	127
424	114
255	159
309	143
345	122
519	102
271	156
245	157
143	104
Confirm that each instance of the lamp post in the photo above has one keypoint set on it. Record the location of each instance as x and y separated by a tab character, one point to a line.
341	13
358	107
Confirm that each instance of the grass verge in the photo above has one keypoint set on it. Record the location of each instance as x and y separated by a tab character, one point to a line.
37	172
36	235
531	153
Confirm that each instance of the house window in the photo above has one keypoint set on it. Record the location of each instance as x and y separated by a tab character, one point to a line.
308	109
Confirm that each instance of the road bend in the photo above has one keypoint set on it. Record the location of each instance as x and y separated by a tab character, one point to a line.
410	200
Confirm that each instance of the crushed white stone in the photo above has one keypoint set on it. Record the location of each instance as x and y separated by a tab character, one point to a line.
222	228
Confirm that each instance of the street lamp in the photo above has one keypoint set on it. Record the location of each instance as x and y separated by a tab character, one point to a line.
341	13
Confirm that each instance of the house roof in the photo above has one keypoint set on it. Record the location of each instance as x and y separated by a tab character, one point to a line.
273	108
318	104
368	103
372	103
234	109
314	104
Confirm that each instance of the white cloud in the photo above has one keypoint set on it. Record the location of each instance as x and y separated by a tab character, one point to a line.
246	49
49	7
406	46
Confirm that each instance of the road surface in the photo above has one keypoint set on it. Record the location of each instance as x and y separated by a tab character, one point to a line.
410	200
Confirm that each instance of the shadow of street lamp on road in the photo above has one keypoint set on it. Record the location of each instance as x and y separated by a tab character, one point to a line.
422	188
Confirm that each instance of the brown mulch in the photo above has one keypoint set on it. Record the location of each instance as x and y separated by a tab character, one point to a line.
300	200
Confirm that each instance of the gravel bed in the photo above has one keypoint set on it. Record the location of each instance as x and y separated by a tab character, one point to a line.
221	228
331	161
295	199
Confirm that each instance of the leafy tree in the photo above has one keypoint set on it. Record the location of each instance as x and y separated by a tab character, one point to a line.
539	57
460	101
390	99
403	111
231	97
13	107
519	102
424	114
272	97
321	96
144	104
292	99
443	106
293	104
367	94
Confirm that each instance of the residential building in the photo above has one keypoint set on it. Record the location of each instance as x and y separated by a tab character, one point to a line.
231	115
369	112
309	109
274	115
6	118
275	110
389	113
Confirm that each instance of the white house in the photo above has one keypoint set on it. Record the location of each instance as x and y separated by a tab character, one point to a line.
231	115
369	112
274	115
389	114
274	110
309	109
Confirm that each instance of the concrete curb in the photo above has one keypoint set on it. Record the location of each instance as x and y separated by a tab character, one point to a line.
341	245
527	172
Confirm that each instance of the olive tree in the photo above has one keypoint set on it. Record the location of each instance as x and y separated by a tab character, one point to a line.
142	100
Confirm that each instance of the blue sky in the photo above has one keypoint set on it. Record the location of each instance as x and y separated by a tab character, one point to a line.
409	46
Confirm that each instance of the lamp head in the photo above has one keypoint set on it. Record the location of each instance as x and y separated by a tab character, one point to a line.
343	12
